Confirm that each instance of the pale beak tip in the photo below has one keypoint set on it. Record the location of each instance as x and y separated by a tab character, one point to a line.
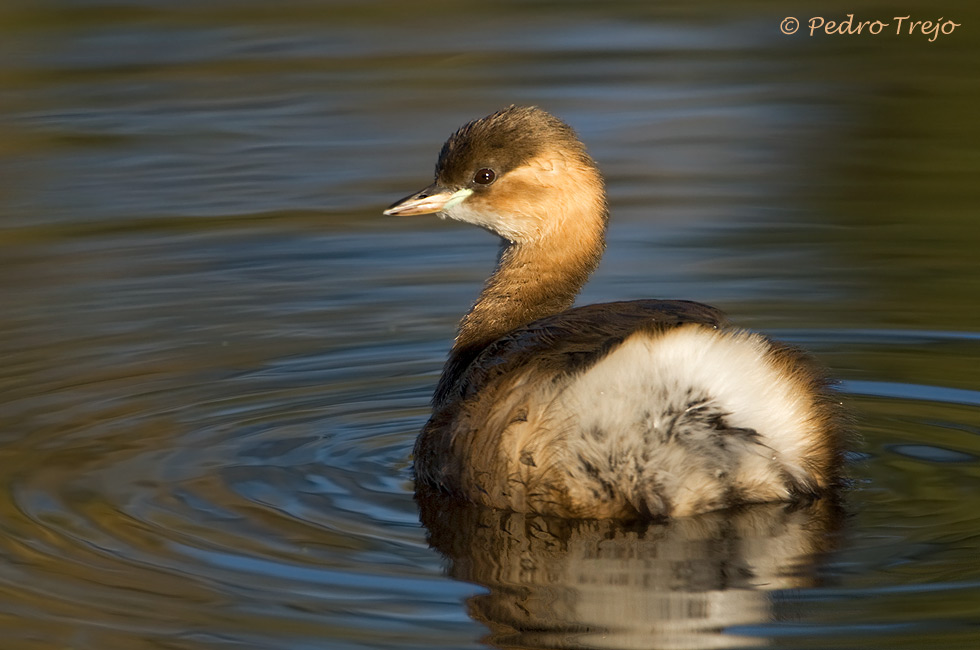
431	200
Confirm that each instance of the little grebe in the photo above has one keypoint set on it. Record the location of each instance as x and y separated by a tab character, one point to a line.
641	408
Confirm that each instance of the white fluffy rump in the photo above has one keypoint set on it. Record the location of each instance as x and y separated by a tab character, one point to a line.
686	421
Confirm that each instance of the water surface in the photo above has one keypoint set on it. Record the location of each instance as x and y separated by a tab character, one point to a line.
215	352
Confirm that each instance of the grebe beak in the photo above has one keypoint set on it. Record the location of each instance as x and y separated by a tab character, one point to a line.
434	198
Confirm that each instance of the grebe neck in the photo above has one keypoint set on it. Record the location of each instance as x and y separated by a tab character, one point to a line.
532	280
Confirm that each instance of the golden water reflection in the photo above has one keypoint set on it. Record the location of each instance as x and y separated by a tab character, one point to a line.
557	583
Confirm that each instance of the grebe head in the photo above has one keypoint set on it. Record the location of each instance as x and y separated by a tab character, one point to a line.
520	173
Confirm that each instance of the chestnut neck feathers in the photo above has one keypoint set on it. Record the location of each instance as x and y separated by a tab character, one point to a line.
547	203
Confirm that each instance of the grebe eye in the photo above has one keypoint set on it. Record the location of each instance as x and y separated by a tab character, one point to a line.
484	176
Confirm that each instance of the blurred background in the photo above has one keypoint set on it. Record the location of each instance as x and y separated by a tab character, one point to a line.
215	352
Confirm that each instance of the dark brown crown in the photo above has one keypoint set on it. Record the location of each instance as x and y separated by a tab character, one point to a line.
504	141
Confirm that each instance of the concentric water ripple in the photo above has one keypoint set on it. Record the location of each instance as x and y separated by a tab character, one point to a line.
276	501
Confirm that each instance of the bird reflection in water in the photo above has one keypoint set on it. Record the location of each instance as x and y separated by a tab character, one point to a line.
602	583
